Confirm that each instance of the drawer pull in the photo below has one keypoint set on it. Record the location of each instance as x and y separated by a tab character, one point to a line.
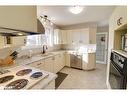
39	64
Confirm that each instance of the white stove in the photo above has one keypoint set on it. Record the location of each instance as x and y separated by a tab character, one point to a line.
21	77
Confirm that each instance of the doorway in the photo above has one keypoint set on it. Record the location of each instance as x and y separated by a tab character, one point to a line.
102	47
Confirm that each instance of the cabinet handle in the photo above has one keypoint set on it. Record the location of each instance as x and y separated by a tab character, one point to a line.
39	63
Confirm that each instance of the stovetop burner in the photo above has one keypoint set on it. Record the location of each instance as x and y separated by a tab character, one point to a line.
36	75
17	84
23	72
6	78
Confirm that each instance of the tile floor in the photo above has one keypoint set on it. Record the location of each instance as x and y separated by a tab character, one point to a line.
79	79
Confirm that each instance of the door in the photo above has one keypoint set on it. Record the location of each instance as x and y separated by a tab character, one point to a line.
101	49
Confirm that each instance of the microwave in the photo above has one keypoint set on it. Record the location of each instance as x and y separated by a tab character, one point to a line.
124	42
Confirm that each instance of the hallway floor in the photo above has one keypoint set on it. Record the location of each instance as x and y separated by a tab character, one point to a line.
79	79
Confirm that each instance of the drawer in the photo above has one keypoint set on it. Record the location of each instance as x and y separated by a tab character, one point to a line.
37	64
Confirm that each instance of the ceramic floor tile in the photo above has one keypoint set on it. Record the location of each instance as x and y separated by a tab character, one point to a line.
79	79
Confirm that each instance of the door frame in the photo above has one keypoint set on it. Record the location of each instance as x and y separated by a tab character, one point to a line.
106	47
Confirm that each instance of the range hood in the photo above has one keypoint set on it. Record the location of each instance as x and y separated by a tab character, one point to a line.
40	27
4	31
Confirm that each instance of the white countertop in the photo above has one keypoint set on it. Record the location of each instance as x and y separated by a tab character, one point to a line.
26	60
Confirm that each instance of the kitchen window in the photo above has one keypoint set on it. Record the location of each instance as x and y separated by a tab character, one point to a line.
41	39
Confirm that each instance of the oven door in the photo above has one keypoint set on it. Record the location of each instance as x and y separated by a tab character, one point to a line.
116	79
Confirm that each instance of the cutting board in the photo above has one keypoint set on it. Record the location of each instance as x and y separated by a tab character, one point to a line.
7	61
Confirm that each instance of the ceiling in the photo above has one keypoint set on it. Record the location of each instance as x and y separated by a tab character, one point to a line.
61	16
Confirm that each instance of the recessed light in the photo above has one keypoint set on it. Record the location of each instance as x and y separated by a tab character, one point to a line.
20	34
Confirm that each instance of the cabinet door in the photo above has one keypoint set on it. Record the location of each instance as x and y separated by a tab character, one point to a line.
72	36
63	37
41	65
56	64
56	36
84	36
69	37
59	62
76	36
49	64
62	60
67	59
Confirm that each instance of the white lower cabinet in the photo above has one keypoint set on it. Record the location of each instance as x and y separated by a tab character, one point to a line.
89	61
59	62
67	59
49	62
51	85
56	63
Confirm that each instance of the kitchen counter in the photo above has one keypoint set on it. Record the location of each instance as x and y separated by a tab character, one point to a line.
34	58
37	57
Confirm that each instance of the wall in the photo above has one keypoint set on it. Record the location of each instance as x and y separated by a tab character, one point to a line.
101	29
24	50
78	26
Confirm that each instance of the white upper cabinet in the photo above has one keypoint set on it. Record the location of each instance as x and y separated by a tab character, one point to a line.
19	17
57	36
63	36
76	36
69	36
84	36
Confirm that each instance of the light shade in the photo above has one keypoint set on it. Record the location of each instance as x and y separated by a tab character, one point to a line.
76	9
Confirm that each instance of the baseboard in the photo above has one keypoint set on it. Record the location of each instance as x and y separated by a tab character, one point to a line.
100	62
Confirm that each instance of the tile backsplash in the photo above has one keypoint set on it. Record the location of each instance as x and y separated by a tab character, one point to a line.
24	50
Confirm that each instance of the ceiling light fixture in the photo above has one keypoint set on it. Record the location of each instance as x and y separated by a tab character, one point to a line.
45	20
76	9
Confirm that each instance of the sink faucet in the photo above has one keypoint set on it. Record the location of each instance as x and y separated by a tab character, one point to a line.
44	49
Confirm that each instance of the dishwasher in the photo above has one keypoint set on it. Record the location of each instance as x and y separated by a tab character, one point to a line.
76	61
